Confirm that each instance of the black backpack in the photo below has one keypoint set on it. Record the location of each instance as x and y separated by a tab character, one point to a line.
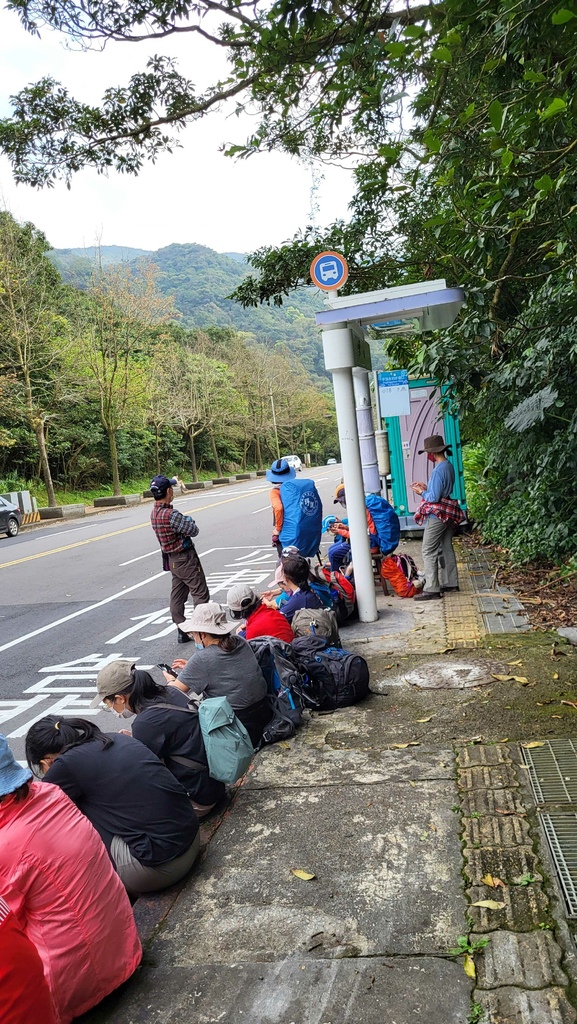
337	677
284	683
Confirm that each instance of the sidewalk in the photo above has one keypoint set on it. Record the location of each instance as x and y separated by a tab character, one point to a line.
407	809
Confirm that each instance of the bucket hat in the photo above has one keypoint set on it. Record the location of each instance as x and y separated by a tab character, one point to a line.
159	485
113	678
433	445
12	776
208	618
280	471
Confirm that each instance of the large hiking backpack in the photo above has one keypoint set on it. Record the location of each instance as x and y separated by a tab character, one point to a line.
302	516
344	596
338	677
401	573
284	684
386	522
317	622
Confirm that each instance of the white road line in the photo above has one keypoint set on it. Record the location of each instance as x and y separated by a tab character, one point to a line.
138	557
81	611
263	509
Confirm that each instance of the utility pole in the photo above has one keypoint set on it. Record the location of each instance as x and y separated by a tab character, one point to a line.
274	423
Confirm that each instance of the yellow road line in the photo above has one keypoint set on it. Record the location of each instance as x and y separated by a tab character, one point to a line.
115	533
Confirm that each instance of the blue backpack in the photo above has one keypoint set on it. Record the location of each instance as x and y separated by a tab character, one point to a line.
229	751
303	516
386	522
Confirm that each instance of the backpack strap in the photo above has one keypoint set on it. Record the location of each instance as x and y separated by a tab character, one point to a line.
186	761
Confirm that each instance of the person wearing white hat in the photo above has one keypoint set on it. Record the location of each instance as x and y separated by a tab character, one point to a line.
225	666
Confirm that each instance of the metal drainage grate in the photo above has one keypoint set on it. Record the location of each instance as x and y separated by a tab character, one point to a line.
561	832
553	771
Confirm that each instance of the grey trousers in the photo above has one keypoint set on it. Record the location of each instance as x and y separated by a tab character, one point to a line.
138	878
440	565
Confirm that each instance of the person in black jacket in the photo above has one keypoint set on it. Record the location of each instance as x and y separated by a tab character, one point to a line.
173	733
142	814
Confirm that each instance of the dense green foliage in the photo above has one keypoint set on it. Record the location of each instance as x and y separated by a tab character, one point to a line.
201	282
101	384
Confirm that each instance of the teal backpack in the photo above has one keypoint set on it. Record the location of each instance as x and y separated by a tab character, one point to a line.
229	751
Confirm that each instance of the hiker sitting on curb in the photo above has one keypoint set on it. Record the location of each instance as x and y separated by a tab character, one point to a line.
171	732
57	877
225	666
140	811
261	620
296	572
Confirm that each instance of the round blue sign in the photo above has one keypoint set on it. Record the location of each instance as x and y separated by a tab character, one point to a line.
329	270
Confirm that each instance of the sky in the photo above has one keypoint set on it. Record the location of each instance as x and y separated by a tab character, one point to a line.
194	194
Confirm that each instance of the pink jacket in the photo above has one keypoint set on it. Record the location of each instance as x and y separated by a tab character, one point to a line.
55	874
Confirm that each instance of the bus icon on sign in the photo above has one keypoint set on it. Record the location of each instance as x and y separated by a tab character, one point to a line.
329	271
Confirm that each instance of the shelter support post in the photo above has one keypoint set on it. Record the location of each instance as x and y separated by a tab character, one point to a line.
339	350
366	430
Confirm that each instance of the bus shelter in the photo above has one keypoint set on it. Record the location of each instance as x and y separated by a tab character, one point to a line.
425	306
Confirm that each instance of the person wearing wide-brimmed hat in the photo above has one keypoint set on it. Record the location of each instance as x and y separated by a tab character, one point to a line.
279	472
439	560
57	877
224	665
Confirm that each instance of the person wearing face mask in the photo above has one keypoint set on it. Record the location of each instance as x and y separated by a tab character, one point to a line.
225	666
165	722
440	513
142	814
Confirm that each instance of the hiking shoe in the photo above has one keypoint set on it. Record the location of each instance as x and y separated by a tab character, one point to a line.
430	595
183	638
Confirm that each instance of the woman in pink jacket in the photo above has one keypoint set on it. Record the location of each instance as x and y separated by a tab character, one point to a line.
55	875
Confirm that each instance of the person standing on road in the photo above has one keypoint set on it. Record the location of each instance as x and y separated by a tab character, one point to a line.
441	514
174	533
276	475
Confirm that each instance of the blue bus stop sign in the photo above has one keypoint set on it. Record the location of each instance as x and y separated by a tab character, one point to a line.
329	271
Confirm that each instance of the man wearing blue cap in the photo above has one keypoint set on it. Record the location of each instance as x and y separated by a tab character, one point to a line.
179	556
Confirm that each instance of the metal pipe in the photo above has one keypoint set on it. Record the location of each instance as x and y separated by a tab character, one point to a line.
364	413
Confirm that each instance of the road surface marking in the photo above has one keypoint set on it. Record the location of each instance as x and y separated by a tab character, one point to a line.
138	557
263	509
105	536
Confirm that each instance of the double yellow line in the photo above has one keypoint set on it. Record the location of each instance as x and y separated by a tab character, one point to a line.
116	533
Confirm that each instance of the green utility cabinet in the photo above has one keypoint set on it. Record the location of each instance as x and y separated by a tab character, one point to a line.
406	435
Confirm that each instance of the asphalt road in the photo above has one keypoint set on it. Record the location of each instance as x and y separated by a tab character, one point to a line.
74	596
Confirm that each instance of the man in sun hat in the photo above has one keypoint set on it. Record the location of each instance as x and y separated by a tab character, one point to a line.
174	533
440	514
276	475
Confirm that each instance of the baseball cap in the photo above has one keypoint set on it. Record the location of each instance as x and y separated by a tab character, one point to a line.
113	678
159	485
240	598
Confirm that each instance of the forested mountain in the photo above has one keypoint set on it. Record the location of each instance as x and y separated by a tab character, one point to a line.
200	280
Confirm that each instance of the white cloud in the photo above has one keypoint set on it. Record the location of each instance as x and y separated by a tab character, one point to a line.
193	195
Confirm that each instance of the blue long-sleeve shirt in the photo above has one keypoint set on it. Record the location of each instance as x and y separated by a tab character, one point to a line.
441	482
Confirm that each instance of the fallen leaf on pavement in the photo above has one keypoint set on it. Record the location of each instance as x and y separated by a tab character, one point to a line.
514	662
502	679
555	675
402	746
493	881
521	679
305	875
570	703
469	967
286	746
556	716
425	719
489	904
534	743
506	740
389	666
532	600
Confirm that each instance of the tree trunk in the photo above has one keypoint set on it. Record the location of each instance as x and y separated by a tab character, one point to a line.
190	436
44	464
258	452
215	454
111	434
156	450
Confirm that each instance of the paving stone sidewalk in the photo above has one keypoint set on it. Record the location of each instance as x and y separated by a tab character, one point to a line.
402	836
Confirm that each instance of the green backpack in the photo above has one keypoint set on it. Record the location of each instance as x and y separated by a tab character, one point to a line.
229	751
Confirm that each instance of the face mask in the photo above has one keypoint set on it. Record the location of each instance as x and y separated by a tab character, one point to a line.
431	458
199	647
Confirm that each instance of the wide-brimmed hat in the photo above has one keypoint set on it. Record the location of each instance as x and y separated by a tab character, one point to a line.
240	598
434	445
113	678
159	485
280	471
208	618
12	775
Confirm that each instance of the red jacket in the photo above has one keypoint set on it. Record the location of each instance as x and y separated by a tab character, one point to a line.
24	994
57	878
268	622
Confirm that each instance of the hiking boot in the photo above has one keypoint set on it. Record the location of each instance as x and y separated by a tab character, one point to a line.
183	638
428	595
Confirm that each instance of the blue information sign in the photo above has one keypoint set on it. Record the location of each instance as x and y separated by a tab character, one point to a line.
329	270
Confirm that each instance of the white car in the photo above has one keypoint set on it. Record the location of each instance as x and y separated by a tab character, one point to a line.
294	461
331	462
